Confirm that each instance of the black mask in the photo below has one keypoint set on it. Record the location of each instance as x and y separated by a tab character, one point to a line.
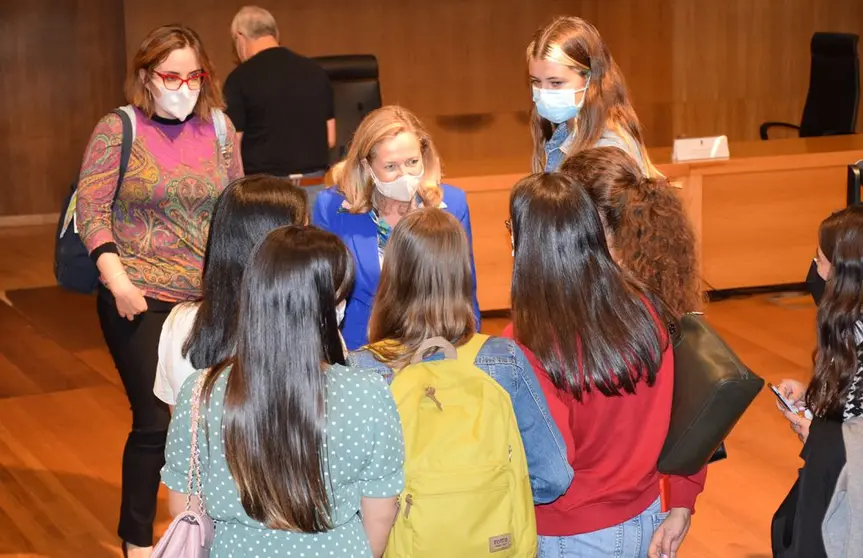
815	284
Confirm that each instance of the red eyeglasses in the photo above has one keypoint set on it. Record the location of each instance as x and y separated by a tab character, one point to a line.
173	82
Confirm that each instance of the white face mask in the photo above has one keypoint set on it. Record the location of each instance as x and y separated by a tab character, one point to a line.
179	103
403	188
340	312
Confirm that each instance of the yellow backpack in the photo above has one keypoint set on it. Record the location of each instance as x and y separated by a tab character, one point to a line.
467	491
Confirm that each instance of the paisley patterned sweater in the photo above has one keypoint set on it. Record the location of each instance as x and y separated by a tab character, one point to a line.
160	221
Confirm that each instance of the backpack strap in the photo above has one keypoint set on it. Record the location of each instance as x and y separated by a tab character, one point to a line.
434	343
128	118
129	111
221	130
470	350
467	352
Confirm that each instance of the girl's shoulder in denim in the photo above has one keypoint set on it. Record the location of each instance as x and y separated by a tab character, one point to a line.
363	358
499	349
496	350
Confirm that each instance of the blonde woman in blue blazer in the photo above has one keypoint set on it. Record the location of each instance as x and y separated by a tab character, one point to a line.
392	168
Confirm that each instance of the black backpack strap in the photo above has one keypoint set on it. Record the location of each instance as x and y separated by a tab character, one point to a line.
125	148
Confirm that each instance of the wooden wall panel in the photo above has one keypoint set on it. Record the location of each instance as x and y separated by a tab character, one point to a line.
739	63
459	64
62	69
638	34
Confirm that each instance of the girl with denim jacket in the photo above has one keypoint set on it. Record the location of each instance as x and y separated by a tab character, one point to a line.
426	290
580	97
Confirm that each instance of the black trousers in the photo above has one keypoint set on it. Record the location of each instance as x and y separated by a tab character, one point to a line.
134	347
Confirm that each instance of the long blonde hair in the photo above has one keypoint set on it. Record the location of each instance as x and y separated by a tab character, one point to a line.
575	43
353	177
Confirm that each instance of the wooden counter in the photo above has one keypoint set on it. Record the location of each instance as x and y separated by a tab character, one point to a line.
756	215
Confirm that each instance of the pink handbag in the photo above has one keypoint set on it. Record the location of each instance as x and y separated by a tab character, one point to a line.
191	533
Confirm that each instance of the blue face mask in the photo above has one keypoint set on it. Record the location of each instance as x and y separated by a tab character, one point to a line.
558	105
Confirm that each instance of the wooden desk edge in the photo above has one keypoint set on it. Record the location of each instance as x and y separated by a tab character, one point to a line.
676	171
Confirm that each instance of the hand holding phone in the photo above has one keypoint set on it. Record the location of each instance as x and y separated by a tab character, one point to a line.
785	403
801	411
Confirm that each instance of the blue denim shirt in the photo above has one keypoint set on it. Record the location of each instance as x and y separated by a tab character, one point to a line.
550	472
557	147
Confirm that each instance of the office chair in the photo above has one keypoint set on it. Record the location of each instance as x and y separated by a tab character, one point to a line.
855	183
356	91
834	88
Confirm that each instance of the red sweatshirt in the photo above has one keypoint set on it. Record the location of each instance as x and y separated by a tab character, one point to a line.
613	445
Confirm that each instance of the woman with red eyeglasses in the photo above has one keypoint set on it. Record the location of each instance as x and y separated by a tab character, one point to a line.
147	231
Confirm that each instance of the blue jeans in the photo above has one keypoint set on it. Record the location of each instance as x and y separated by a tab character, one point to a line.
630	539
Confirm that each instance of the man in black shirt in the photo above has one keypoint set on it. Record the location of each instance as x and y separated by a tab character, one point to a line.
280	102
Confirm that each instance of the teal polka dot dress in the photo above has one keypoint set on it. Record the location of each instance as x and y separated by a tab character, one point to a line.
364	457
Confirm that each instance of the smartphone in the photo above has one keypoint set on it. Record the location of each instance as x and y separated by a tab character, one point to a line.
780	397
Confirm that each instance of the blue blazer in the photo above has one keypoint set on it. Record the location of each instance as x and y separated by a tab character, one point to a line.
360	234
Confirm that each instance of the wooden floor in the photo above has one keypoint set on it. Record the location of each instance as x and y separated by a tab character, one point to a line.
64	418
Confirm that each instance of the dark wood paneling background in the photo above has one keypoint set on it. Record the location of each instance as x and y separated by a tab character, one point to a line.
694	67
61	69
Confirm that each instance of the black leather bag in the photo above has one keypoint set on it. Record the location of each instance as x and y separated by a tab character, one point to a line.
712	390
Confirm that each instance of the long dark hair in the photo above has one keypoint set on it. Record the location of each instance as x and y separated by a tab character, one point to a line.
426	287
590	324
840	313
275	401
245	212
651	233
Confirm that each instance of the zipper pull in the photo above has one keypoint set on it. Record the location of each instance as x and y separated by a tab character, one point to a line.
510	453
430	394
409	500
398	508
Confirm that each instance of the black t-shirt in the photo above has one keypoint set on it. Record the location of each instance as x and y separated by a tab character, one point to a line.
281	102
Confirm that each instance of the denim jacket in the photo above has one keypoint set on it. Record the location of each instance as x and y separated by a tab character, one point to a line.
550	472
557	147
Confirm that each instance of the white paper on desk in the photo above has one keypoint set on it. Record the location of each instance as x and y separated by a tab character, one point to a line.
700	149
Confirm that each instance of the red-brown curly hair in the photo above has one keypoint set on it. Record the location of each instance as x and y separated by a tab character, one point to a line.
650	232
